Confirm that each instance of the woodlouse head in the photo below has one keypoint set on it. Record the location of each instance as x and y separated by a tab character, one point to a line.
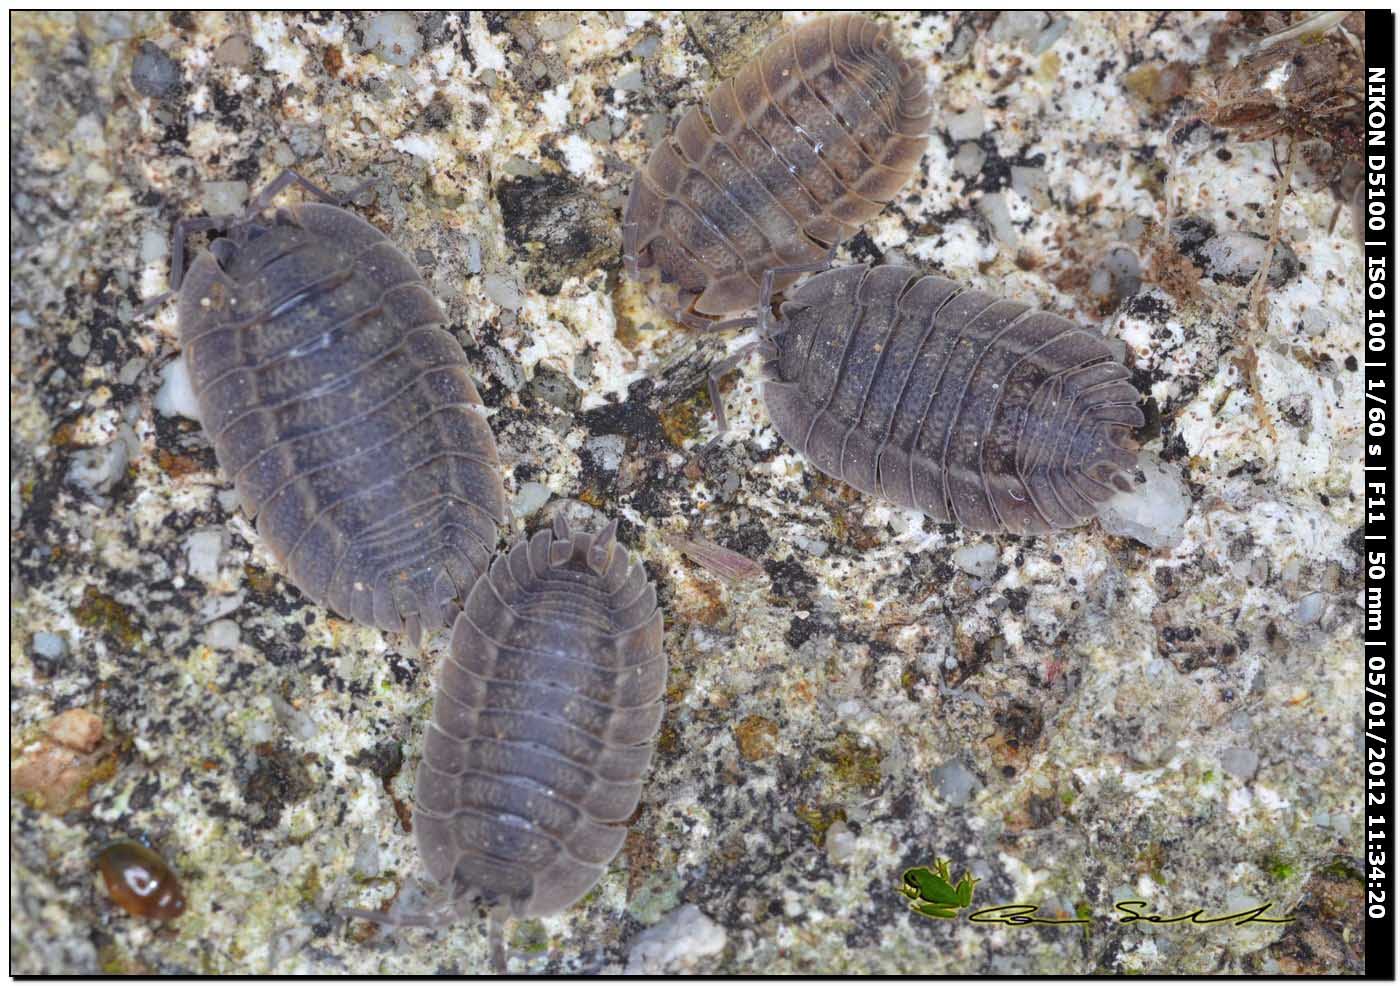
237	229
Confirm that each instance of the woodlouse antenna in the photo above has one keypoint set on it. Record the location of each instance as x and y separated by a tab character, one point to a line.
764	322
185	228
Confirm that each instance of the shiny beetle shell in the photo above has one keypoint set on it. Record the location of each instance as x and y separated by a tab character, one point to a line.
343	411
810	139
972	410
543	726
140	881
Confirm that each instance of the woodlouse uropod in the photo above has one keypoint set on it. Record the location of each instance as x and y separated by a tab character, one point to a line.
810	139
341	408
543	727
972	410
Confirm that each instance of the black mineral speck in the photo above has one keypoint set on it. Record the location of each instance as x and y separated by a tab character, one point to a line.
277	781
558	227
385	759
790	580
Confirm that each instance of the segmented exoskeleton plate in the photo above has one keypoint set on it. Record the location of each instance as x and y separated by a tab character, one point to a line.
343	411
972	410
544	724
810	139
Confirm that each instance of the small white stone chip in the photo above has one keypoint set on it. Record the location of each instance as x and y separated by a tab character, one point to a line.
175	398
679	939
1154	512
979	560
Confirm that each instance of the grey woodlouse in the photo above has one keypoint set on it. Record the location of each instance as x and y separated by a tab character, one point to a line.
809	140
341	408
972	410
543	726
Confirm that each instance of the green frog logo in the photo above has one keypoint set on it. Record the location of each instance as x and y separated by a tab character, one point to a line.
933	894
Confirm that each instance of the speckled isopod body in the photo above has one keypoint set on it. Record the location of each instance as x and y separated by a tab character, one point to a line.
972	410
543	726
810	139
342	409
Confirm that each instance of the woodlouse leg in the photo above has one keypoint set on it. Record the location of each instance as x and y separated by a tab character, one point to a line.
183	230
765	293
718	372
290	177
496	941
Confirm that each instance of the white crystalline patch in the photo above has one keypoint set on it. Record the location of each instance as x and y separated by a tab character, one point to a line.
1239	802
443	60
175	398
207	139
279	54
331	32
1282	378
1152	513
1278	78
956	248
555	104
420	146
483	46
1269	799
578	155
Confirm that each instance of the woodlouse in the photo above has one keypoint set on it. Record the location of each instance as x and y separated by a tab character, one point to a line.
140	881
543	727
972	410
809	140
341	408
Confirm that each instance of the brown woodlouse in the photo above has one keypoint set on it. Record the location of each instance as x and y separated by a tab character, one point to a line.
342	409
544	724
971	410
810	139
140	881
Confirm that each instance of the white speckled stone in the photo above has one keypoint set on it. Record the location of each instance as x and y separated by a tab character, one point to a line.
674	943
1153	512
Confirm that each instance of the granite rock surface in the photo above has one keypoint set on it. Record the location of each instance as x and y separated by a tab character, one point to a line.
1075	719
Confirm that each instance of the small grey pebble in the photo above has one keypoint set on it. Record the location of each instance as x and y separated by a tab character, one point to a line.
222	635
394	37
47	651
955	782
1240	761
154	73
630	81
978	559
225	198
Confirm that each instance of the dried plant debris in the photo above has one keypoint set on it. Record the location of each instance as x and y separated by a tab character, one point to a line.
1299	80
